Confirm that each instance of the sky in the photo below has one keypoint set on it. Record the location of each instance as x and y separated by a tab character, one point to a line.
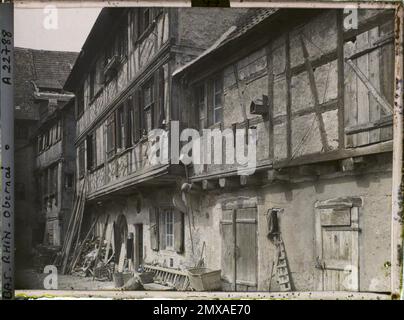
52	28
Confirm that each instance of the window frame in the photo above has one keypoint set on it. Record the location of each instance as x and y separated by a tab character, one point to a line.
150	107
91	141
207	118
81	160
168	220
111	136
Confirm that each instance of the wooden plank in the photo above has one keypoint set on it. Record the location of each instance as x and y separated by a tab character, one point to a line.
350	97
377	124
109	243
341	76
246	250
335	217
319	274
104	230
234	245
355	249
122	257
77	256
365	81
386	69
362	94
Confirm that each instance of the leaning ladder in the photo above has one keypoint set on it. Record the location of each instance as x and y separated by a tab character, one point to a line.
282	269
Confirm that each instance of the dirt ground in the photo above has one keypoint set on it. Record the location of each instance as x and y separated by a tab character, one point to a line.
31	280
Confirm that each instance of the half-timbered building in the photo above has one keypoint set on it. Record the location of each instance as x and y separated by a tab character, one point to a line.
318	90
124	89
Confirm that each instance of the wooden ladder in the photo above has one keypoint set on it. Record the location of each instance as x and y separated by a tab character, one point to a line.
282	269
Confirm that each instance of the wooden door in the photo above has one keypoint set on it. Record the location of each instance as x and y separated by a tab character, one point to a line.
239	248
138	246
337	245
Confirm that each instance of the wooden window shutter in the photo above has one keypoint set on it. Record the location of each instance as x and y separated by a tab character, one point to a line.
136	114
135	27
129	122
161	97
141	112
162	231
154	229
156	98
117	128
178	231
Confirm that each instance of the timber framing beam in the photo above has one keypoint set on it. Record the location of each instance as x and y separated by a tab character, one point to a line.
314	91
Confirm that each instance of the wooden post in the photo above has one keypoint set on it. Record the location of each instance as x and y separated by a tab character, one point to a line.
397	174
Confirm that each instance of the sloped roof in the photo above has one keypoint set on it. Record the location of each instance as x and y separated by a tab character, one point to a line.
244	25
246	22
52	68
46	70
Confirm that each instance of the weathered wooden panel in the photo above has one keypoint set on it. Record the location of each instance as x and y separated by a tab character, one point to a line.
239	247
227	244
337	245
321	36
246	251
372	53
335	217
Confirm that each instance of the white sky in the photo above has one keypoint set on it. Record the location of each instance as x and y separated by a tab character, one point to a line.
73	26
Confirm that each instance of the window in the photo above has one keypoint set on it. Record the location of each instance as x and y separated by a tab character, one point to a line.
148	106
81	157
121	127
217	100
111	143
145	19
109	53
129	122
80	102
168	228
59	130
137	120
209	102
69	180
99	75
160	112
123	41
201	105
40	143
91	151
92	83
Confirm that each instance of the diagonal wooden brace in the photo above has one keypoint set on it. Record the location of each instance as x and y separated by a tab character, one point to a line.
373	91
313	87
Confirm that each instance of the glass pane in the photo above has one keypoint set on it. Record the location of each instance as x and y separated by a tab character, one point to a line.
218	115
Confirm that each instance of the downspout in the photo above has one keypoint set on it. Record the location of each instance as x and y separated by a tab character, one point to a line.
397	174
